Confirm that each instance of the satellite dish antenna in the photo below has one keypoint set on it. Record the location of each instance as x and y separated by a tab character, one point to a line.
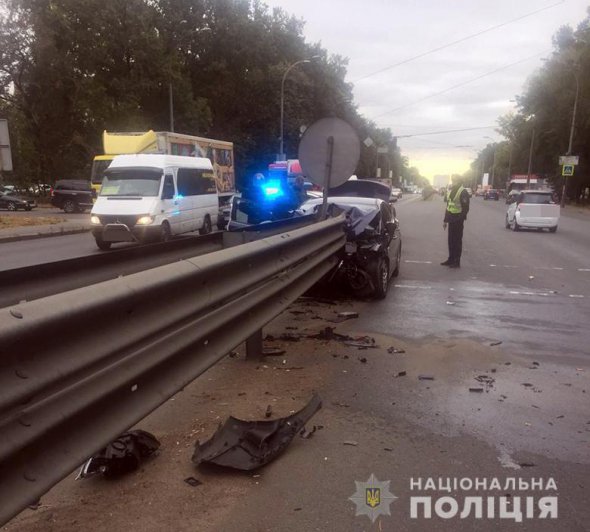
329	152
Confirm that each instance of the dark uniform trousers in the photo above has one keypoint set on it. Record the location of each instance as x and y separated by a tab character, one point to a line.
455	240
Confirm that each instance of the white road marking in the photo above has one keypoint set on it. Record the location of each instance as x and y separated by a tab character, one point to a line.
412	286
576	295
547	268
419	261
542	294
584	269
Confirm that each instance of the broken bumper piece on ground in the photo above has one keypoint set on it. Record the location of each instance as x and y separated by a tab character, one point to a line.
122	455
248	445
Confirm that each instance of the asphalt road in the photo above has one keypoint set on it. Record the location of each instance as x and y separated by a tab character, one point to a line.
529	289
400	415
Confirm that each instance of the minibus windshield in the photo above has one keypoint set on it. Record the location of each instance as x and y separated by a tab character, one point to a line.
131	182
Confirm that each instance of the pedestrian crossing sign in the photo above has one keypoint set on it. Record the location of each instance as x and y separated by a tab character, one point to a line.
567	170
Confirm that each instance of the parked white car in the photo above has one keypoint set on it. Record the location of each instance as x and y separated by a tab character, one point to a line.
533	209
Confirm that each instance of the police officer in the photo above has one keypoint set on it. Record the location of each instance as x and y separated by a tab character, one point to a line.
455	216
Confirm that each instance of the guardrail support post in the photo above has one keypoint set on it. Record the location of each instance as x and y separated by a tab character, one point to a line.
254	349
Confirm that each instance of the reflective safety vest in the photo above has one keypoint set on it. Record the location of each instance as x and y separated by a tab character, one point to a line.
454	204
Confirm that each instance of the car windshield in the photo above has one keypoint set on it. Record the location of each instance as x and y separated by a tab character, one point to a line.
144	182
536	198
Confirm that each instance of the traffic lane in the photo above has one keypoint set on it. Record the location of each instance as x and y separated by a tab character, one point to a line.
552	326
525	304
50	249
54	249
493	254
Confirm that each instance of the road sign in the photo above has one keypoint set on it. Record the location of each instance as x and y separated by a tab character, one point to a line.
5	154
330	148
572	160
567	170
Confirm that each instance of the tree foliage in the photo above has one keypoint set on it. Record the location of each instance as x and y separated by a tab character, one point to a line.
546	106
70	69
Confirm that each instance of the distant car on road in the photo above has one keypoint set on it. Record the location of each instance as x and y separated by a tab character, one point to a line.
533	209
397	192
491	194
12	202
73	195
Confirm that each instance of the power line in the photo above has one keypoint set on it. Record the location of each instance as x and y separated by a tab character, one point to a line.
444	131
460	84
463	39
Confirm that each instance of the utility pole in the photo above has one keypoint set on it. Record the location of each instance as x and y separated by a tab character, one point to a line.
528	177
571	141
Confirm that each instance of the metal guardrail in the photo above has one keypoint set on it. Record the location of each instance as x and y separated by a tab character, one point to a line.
42	280
79	368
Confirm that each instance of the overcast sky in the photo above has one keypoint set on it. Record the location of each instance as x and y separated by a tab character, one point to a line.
375	34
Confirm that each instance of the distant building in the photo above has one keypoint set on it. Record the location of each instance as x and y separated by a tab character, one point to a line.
440	181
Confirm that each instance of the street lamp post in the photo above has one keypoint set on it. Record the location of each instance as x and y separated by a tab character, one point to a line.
301	61
569	147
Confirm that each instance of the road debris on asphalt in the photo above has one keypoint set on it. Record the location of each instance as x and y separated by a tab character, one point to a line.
351	443
247	445
122	455
306	434
477	389
362	360
192	481
272	352
393	350
425	377
487	381
268	412
499	342
401	374
362	342
343	316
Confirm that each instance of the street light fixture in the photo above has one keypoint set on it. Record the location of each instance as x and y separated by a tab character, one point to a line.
293	65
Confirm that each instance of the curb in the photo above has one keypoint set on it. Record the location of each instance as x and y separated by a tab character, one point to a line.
34	236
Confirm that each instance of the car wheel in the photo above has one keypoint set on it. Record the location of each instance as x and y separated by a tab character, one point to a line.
11	207
515	226
507	222
380	278
69	206
28	208
102	245
398	261
553	229
206	229
165	233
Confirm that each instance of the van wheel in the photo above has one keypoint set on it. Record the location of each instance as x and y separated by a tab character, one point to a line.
102	245
69	206
206	229
165	233
515	226
553	229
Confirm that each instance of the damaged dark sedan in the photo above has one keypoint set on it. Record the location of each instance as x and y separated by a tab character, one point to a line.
372	254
